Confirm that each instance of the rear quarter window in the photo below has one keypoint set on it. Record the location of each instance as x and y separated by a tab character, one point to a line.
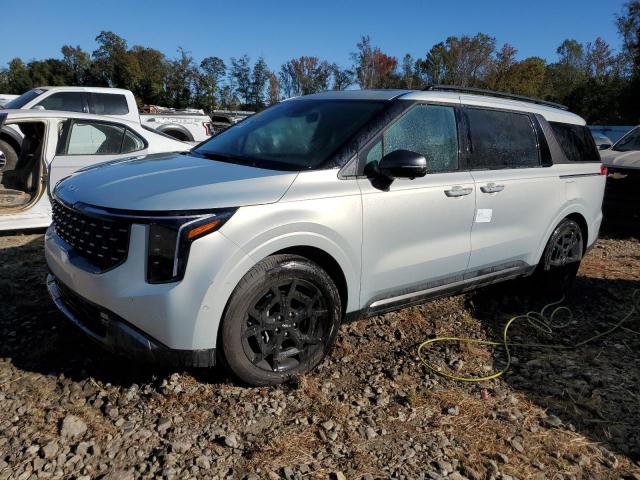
576	141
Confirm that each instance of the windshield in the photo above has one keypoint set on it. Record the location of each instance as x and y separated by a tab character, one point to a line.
631	141
293	135
25	98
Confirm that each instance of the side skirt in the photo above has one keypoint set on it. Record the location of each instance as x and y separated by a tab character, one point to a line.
445	287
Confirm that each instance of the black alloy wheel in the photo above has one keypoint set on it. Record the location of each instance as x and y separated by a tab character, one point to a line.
285	326
281	320
561	259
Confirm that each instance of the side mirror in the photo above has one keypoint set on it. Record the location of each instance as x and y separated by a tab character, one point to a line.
403	164
604	146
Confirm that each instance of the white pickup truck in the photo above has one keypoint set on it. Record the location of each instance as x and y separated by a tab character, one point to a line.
190	126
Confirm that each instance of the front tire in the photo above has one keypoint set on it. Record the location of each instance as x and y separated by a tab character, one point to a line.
281	320
561	259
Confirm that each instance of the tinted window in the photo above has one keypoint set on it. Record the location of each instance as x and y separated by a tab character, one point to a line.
576	142
25	98
131	142
65	101
108	104
87	138
501	139
429	130
631	141
297	134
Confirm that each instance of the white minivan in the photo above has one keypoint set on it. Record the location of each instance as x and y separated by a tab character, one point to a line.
253	247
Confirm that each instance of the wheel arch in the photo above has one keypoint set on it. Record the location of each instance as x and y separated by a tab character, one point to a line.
166	129
584	228
573	212
327	263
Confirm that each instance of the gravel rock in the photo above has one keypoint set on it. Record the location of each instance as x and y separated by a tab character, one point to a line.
72	427
369	411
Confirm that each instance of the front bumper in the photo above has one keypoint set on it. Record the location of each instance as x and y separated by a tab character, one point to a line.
119	336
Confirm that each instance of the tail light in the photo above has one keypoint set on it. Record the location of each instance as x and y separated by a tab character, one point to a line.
604	170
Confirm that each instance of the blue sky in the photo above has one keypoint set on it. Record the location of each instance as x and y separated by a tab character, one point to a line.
280	30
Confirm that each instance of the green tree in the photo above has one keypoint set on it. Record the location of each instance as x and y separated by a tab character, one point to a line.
259	79
180	81
462	61
113	64
273	89
78	62
569	72
373	68
150	88
212	71
342	78
628	23
50	71
410	77
304	75
18	79
240	78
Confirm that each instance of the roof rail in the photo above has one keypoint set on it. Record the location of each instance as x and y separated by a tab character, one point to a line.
492	93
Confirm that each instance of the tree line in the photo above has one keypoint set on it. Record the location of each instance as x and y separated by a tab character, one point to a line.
592	79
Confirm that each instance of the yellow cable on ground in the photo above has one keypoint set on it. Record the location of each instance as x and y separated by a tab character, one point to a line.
537	320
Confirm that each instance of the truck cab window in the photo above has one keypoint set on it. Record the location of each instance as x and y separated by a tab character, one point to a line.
64	101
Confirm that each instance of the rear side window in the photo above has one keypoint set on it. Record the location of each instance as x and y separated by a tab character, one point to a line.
95	138
65	101
501	139
131	142
576	142
108	104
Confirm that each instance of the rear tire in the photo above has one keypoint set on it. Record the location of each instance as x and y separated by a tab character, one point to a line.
561	258
281	320
8	157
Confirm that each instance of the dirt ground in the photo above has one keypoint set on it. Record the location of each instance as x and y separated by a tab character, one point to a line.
70	410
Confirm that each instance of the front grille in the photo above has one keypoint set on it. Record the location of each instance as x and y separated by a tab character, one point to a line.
89	314
103	243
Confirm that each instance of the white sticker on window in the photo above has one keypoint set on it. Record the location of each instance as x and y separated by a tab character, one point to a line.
483	215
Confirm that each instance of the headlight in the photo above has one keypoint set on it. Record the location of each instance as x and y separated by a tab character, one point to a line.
170	240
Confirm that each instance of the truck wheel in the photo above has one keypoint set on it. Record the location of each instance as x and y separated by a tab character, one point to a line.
561	258
8	157
177	134
281	320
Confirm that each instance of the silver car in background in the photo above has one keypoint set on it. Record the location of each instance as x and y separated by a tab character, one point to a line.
256	245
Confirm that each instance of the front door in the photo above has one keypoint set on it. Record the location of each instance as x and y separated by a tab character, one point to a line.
416	234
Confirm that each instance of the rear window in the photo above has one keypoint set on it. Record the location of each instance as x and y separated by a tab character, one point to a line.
501	139
108	104
576	142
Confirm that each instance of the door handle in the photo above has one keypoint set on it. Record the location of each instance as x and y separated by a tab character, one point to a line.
492	188
458	191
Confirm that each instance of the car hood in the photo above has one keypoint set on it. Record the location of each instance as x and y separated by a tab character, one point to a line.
614	159
173	182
